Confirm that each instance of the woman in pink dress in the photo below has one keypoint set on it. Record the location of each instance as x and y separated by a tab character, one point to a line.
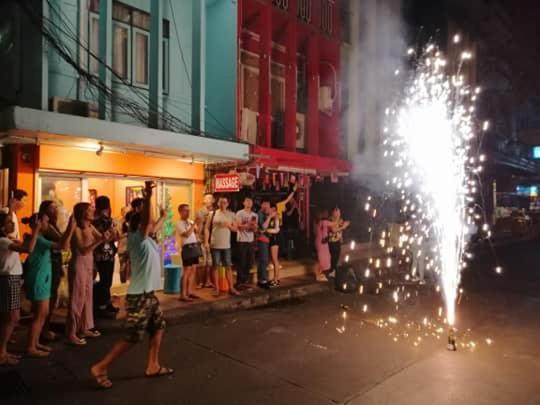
80	322
322	226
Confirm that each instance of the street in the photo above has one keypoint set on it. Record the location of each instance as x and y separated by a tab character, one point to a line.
315	352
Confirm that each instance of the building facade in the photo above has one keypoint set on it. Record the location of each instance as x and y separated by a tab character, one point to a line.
100	95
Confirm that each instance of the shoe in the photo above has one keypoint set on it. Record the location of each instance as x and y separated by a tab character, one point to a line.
274	283
332	274
263	285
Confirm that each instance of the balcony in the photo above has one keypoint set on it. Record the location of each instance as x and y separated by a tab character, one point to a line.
281	4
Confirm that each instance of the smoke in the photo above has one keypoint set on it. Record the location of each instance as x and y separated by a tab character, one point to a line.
378	43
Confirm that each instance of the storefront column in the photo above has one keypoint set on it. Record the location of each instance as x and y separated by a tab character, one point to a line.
156	65
291	78
265	56
313	95
105	55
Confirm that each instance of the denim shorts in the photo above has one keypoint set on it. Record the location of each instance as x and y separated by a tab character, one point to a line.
221	257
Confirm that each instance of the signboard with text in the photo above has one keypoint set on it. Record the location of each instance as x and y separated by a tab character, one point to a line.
226	183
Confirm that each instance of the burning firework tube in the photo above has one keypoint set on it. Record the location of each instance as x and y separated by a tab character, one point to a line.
451	346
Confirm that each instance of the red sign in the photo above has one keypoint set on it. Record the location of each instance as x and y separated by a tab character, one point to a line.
226	183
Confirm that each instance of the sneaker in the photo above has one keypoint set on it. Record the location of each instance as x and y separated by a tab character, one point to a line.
264	285
332	274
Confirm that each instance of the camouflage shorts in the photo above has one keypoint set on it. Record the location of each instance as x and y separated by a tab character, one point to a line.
143	316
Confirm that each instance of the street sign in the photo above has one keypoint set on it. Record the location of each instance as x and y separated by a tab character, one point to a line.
226	183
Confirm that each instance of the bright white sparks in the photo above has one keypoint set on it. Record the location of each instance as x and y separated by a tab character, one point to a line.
429	140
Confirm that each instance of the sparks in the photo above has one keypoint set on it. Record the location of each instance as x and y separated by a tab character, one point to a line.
431	135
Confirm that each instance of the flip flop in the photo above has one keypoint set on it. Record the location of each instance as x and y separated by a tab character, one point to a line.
184	299
91	334
193	296
102	381
44	348
163	371
81	342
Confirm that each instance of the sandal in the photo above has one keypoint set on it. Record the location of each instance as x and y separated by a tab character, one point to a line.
163	371
80	342
102	381
193	296
91	334
185	299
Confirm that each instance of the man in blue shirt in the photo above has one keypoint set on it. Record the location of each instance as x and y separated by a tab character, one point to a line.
143	312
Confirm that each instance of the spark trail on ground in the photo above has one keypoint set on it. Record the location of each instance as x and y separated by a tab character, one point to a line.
429	137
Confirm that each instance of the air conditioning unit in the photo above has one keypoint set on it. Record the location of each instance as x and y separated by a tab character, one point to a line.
73	107
300	131
248	130
326	101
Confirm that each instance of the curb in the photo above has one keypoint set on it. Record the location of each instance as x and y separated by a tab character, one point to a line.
177	316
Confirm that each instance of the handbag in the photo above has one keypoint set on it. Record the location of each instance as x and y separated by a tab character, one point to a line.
191	251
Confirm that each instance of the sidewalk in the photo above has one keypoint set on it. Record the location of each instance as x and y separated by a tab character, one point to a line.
297	280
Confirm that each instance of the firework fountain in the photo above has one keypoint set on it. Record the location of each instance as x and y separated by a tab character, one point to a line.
430	139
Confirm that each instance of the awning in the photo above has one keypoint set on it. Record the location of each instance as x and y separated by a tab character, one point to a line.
19	125
299	162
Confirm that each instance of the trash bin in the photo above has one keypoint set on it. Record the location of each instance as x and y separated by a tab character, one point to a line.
173	273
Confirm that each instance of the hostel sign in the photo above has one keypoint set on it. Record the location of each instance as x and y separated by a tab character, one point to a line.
226	183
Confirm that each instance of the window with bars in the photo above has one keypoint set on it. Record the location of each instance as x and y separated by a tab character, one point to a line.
282	4
304	10
327	16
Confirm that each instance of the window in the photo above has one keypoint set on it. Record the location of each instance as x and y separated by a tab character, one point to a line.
304	10
327	16
93	35
166	57
131	44
140	57
121	50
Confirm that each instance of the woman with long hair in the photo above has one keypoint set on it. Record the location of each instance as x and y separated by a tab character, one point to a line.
322	225
10	284
80	322
38	278
335	237
274	232
52	234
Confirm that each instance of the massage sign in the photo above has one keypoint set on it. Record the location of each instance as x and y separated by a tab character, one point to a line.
226	183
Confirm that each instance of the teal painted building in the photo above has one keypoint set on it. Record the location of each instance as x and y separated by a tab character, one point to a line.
188	74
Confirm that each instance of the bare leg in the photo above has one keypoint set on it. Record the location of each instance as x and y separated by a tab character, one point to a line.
274	252
8	323
229	274
186	284
153	365
216	280
41	310
208	276
99	370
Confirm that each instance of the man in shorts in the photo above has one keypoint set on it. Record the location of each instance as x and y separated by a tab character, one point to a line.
218	237
143	311
205	262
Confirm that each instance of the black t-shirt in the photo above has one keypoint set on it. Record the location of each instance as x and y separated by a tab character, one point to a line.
291	221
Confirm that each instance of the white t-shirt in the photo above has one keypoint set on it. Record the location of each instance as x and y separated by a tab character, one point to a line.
10	261
245	218
221	234
181	227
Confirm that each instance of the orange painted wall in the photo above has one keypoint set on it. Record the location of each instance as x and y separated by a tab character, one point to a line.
72	159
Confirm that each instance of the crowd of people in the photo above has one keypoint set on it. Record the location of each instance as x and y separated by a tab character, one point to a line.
93	240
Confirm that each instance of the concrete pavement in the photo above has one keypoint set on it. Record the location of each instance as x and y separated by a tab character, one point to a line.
312	351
